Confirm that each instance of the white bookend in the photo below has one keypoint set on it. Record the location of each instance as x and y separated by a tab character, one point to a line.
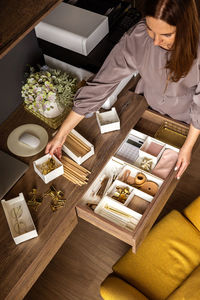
19	219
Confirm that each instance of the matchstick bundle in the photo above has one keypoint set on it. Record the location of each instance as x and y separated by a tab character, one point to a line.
74	172
76	145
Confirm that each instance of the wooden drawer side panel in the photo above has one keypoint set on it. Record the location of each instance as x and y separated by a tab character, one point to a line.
104	224
153	211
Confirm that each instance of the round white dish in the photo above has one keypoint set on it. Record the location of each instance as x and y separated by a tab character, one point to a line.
21	149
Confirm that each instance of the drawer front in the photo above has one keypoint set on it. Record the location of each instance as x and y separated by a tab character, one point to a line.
121	233
136	236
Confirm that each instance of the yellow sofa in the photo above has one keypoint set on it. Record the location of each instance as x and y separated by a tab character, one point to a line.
167	264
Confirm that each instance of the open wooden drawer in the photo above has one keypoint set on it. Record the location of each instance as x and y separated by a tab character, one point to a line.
131	220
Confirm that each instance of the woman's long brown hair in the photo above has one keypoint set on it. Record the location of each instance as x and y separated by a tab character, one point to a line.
182	14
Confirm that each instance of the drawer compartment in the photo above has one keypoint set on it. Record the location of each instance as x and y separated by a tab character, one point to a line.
123	171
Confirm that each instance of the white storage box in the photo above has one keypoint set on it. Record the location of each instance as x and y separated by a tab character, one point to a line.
110	171
80	73
151	185
116	212
51	175
73	28
19	219
79	159
108	121
154	151
129	149
151	150
114	189
134	171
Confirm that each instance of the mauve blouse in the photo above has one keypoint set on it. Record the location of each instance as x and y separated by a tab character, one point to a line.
136	51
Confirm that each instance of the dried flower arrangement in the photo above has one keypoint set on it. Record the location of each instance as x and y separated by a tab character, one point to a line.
49	88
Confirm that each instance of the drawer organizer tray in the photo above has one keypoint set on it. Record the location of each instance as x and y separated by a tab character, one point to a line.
146	198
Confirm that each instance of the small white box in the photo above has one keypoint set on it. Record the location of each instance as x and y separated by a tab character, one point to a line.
142	195
19	219
108	121
51	175
111	170
116	212
79	159
144	153
73	28
113	188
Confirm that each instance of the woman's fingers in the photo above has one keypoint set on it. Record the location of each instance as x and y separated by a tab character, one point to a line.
181	166
55	147
183	161
178	164
182	169
58	152
48	146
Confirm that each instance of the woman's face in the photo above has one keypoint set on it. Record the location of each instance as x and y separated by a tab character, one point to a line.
162	33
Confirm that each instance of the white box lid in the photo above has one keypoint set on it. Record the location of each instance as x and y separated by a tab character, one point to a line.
73	19
73	28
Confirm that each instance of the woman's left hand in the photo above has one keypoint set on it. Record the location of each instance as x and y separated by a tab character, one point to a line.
183	161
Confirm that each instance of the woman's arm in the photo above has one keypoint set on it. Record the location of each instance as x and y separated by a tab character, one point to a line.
186	151
120	63
55	145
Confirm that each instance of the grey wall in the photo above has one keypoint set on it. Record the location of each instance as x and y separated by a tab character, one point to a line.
12	68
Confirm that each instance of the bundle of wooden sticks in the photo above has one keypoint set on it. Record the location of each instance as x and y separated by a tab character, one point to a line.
74	172
76	145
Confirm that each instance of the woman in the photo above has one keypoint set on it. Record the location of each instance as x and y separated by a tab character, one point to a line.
165	49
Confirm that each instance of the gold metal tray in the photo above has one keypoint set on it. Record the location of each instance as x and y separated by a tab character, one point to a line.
171	134
52	122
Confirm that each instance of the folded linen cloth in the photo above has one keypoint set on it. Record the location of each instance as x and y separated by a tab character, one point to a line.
166	163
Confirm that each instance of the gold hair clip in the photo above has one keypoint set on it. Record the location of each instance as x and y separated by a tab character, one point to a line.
121	194
56	198
35	199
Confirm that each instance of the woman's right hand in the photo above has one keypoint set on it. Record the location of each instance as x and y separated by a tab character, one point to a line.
55	145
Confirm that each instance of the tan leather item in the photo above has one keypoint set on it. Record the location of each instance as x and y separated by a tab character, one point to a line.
149	187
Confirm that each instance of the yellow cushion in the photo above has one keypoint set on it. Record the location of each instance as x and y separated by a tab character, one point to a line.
168	255
190	288
113	288
192	212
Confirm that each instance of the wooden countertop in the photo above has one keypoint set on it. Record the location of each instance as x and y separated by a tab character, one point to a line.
22	264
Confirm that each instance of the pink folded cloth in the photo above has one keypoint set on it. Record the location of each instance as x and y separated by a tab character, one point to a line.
165	164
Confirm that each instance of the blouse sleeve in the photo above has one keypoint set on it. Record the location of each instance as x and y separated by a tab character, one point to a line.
119	64
195	107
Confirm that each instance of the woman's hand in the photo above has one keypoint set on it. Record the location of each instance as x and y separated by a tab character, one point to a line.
183	161
55	145
186	151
